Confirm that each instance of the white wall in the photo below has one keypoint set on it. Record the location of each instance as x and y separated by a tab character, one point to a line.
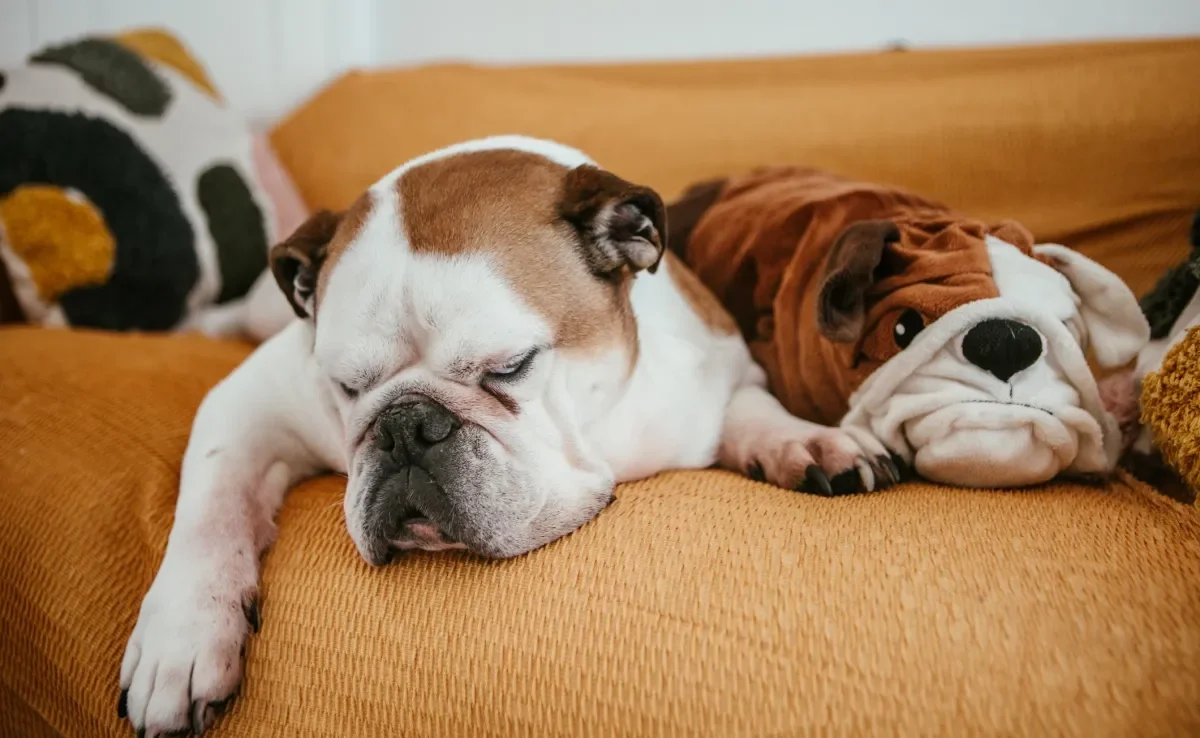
266	55
517	30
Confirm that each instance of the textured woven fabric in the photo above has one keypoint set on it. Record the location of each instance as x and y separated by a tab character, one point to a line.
697	604
1092	145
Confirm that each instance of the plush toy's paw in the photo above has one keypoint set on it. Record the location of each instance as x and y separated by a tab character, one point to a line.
183	664
823	461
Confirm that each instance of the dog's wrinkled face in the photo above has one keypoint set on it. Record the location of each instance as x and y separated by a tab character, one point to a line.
472	317
997	391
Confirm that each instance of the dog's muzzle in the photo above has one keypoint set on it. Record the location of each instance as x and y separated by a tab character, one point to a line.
413	438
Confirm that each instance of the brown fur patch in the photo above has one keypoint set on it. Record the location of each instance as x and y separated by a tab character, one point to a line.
505	203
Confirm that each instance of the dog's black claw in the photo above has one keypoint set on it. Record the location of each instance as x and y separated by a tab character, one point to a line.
221	706
214	711
756	472
197	712
816	482
250	608
846	483
123	704
890	467
901	466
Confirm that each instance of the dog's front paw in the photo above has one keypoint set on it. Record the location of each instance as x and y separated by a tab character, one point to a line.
823	461
183	664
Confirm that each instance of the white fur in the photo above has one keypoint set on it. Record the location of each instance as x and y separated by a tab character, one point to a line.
392	321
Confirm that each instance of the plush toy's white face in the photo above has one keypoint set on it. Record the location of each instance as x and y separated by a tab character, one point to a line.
998	392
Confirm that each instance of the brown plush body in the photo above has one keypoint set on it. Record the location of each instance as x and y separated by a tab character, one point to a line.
762	241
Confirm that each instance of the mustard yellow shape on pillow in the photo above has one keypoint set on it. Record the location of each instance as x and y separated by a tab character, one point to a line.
1171	407
62	239
164	48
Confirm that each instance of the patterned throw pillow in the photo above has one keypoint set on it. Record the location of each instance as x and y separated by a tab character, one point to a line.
131	198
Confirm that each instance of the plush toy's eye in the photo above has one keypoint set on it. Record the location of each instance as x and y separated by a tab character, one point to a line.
908	325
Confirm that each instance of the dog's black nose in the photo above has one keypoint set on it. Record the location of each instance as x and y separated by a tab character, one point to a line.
1002	347
412	426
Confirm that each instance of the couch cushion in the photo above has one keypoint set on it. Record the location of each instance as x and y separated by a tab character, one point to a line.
1092	145
697	604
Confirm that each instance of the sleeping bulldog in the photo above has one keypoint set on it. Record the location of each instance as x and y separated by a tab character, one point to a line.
486	342
962	346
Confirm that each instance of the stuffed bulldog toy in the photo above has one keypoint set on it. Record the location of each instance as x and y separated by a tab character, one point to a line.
961	346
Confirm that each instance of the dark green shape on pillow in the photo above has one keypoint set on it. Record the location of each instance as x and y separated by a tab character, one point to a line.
3	79
1163	304
114	71
236	224
155	265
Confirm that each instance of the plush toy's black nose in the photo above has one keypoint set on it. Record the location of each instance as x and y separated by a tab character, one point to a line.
1002	347
411	427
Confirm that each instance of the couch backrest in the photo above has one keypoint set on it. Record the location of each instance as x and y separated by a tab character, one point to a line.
1092	145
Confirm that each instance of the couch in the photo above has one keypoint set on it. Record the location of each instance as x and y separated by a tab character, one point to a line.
698	603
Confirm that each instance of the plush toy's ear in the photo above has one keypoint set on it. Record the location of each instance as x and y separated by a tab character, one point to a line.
621	225
1117	329
850	270
296	262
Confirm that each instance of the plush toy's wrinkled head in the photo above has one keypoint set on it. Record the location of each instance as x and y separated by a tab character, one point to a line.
961	346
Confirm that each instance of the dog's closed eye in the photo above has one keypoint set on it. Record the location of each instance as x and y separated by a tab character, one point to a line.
515	369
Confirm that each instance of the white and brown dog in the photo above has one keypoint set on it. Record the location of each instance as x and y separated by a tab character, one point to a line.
489	340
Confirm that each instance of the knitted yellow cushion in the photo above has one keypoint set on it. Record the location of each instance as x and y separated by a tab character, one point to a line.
1171	407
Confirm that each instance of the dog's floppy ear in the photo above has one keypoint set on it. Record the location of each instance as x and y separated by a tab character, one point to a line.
850	270
1116	327
620	224
297	261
